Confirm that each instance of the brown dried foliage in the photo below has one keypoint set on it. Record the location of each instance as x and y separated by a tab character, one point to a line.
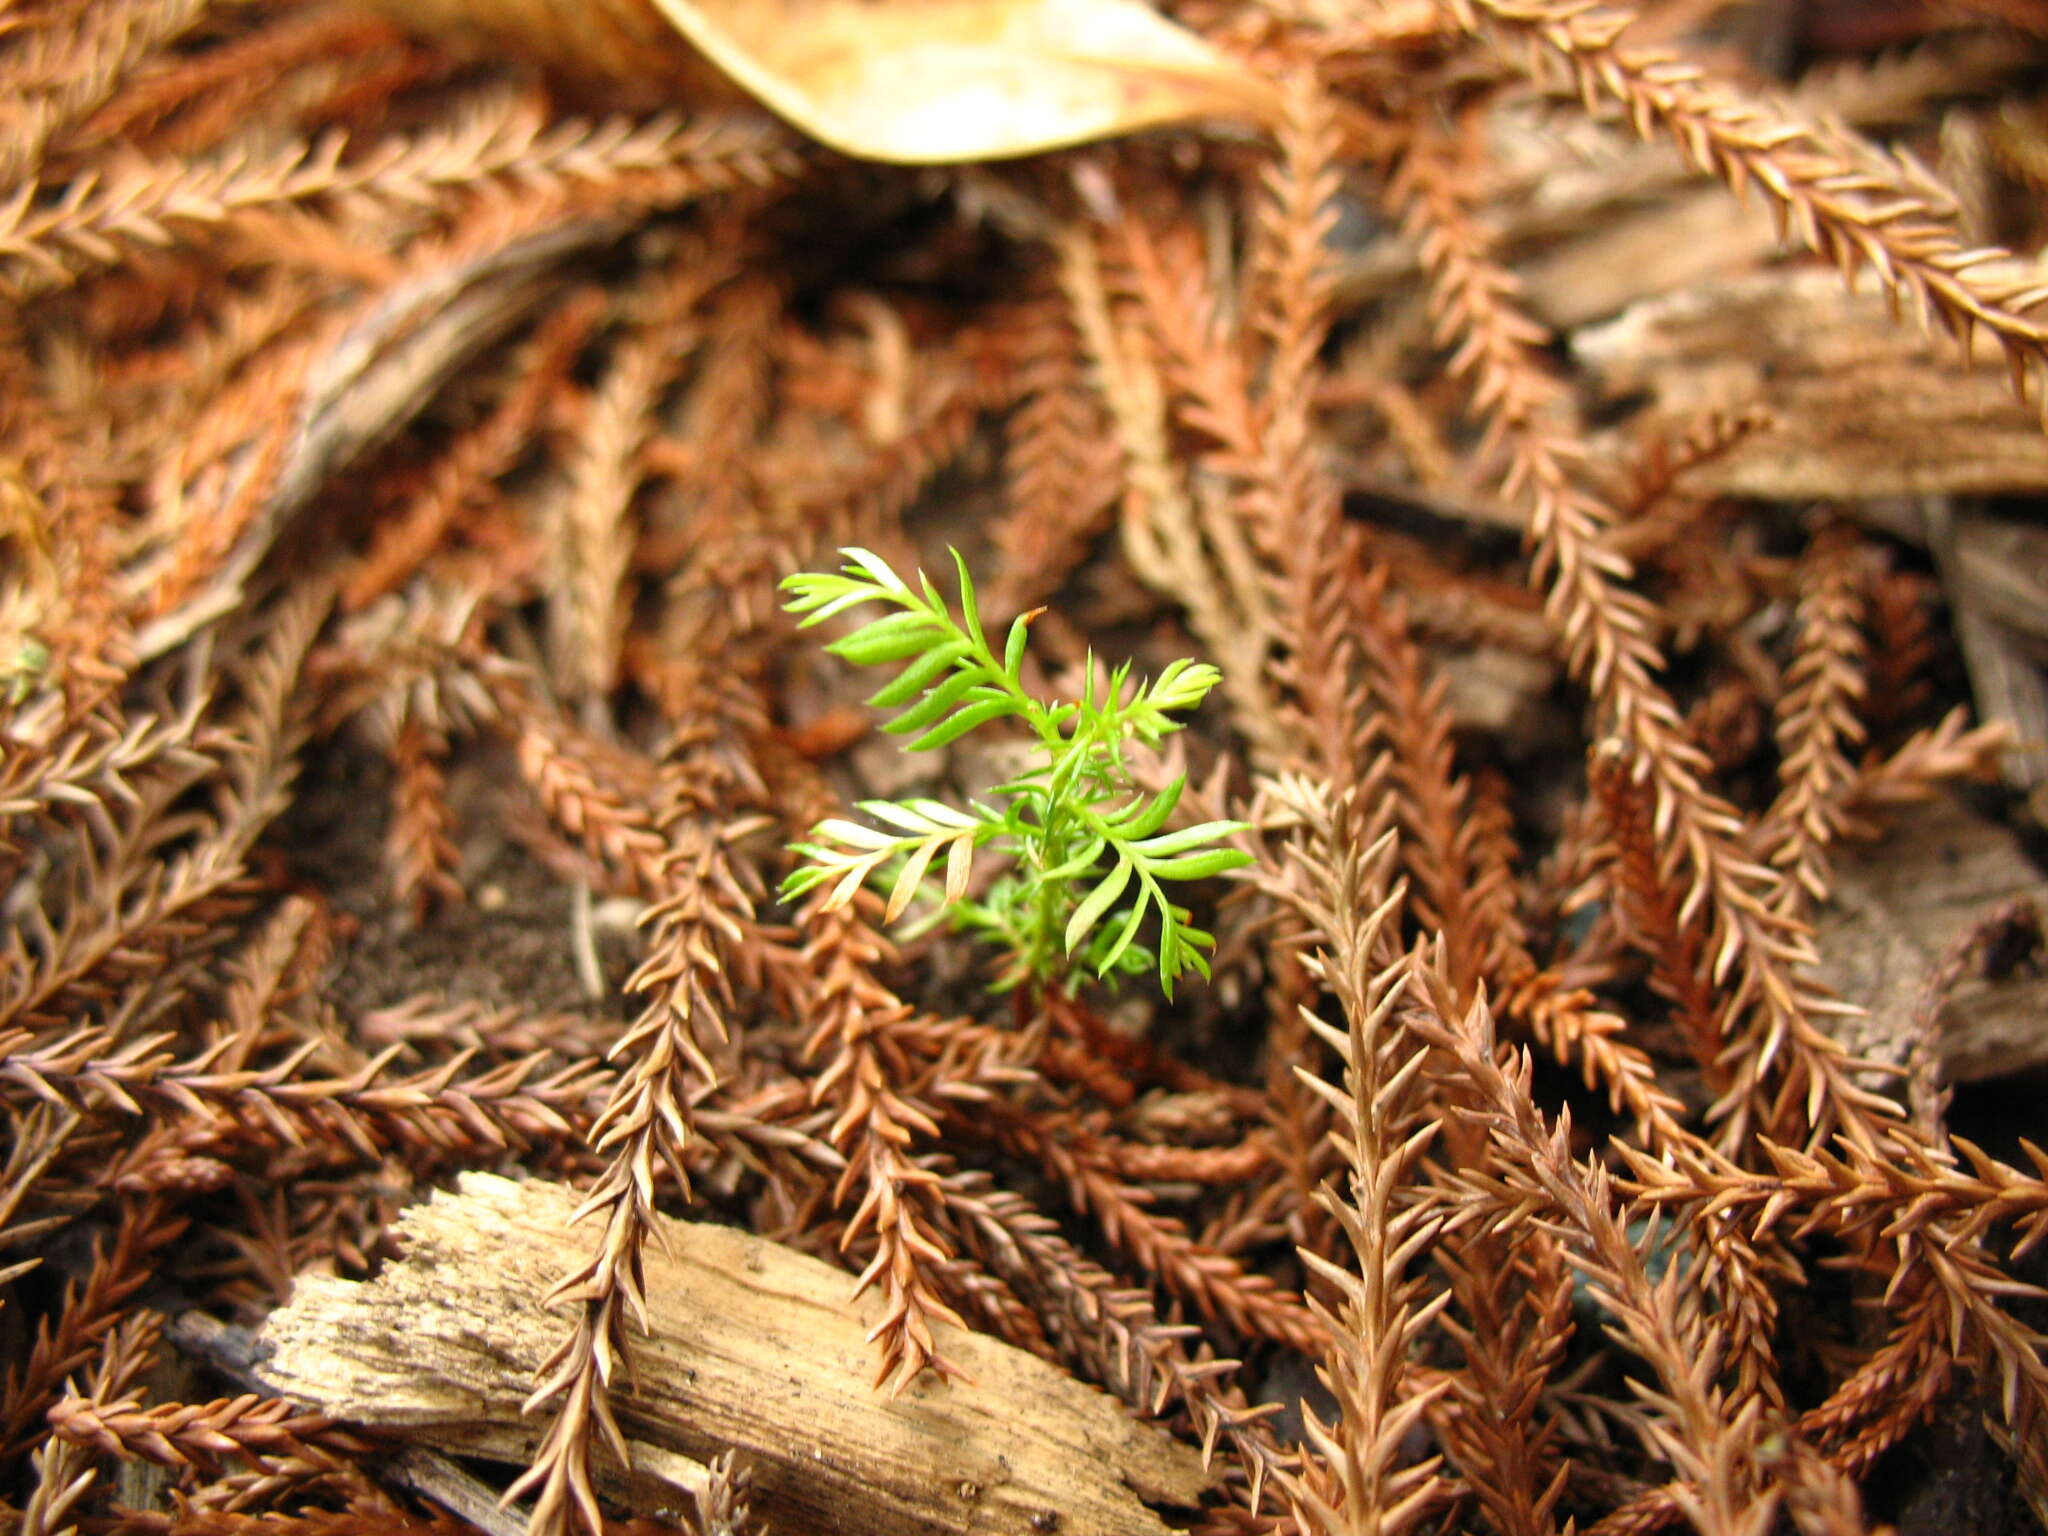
394	474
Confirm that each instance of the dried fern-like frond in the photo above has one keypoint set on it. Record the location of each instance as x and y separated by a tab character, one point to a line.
588	538
60	1481
696	940
1817	717
61	73
264	1432
1857	209
1788	1069
1065	475
1685	1417
863	1079
1355	1482
1115	1331
505	147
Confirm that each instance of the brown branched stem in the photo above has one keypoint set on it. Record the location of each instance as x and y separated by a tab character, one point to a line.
1215	1283
475	458
1438	832
1651	906
865	1080
1062	464
60	1482
697	938
432	1114
1790	1077
422	853
155	905
1817	718
513	151
264	1432
1686	1418
91	1311
1942	1247
1355	1480
1288	512
1859	211
1112	1330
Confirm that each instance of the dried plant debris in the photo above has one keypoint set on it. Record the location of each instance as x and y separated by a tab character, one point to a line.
408	417
749	1347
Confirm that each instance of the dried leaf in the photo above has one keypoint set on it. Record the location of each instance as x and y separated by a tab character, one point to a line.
920	82
946	81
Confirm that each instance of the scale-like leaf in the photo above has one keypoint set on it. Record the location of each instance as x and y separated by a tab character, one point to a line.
934	705
1097	902
898	637
964	721
1169	843
919	675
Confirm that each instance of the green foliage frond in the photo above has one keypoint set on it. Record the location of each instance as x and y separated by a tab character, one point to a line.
953	682
1090	851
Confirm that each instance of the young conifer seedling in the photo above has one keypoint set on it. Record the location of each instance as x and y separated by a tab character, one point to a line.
1089	854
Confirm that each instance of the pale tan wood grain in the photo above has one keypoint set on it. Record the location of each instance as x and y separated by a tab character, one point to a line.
1862	406
751	1346
1897	909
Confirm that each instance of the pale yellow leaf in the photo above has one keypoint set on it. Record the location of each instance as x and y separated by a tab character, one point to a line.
939	81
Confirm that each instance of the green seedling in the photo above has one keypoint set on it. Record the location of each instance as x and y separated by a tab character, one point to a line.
1090	854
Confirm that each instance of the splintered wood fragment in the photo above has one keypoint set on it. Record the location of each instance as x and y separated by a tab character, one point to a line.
1995	571
750	1346
1896	911
1861	405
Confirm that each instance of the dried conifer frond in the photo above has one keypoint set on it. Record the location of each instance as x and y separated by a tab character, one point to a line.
589	543
1215	1283
696	942
1262	443
1181	540
61	74
1817	717
263	1432
1685	1417
139	889
60	1479
1855	209
1064	485
475	459
306	1520
1789	1070
432	1113
876	1121
1115	1331
1354	1482
505	147
420	850
90	1314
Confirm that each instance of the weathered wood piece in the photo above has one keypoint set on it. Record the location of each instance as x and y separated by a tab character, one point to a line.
1995	570
750	1346
1863	406
1896	911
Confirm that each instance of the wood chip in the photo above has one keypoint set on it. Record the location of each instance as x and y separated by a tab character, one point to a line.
1896	911
750	1346
1863	406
